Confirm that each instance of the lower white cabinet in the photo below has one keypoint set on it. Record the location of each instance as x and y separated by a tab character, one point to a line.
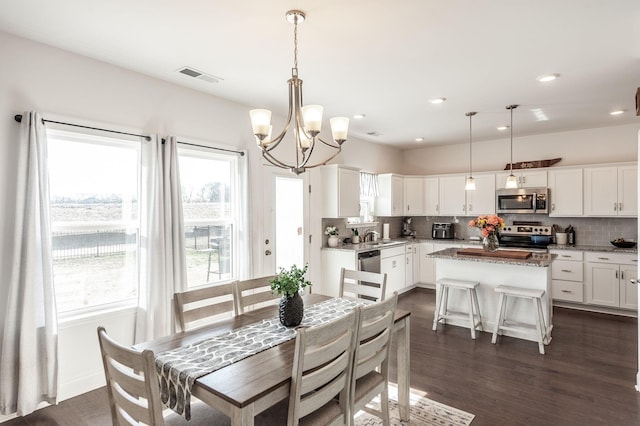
393	264
408	263
427	264
567	276
610	279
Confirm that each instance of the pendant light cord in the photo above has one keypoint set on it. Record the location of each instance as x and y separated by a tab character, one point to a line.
511	108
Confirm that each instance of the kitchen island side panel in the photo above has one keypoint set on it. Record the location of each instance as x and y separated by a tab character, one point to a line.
490	275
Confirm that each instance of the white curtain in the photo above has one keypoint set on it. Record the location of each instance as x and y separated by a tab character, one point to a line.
368	185
244	252
29	357
163	268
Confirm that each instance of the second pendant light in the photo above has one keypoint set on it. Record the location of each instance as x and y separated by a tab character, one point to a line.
512	181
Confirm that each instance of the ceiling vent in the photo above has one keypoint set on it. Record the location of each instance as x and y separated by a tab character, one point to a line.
194	73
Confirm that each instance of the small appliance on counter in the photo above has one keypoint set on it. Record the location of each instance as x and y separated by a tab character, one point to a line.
442	231
406	231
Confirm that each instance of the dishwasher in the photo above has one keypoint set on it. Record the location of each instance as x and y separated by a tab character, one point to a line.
369	261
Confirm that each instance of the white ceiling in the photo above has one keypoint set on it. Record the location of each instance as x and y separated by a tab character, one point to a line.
383	58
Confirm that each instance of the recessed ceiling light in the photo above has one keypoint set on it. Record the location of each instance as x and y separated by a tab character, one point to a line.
419	139
501	128
617	112
437	100
544	78
359	116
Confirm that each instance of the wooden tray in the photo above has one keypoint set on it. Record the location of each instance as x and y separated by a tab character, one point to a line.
505	254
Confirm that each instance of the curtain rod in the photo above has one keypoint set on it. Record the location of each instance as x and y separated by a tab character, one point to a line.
210	147
18	118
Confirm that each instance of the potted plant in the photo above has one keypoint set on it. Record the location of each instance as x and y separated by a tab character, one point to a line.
288	283
332	232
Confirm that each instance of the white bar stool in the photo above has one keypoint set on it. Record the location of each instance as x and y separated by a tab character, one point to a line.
441	314
538	330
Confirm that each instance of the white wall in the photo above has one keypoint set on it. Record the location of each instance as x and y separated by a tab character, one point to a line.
66	86
600	145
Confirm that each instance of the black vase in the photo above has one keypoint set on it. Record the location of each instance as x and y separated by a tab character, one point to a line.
291	310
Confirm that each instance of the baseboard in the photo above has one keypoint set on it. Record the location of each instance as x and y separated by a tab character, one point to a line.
80	386
597	309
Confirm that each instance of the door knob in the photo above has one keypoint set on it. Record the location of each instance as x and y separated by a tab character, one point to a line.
267	252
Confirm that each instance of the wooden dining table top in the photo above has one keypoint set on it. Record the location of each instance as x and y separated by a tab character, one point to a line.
249	379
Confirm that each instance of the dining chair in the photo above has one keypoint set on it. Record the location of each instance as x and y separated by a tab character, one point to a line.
132	384
363	284
371	358
254	293
322	364
194	306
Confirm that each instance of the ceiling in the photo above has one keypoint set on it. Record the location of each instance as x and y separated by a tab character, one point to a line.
382	58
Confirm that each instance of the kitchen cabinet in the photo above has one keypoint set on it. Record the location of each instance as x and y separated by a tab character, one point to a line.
526	178
408	262
567	276
431	196
611	191
565	187
427	264
340	191
414	196
332	262
390	199
456	201
610	279
392	263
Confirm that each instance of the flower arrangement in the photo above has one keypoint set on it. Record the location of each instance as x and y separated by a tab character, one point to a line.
489	225
289	282
331	230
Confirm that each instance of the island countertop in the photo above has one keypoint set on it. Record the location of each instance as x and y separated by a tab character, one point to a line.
536	259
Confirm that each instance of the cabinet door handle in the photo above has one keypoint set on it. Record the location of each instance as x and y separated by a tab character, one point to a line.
565	255
632	281
617	275
615	207
437	207
408	207
622	275
603	258
463	206
553	206
566	291
470	208
565	270
619	207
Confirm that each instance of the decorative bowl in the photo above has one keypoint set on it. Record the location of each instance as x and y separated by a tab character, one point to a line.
624	244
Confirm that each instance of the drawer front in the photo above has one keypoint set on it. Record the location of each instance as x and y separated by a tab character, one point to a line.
619	258
392	251
567	270
568	291
568	254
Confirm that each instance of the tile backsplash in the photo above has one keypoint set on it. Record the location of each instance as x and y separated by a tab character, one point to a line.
589	230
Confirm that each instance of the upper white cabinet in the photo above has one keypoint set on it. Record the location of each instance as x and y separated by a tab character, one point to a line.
565	187
526	178
340	191
431	196
611	191
455	201
390	199
414	196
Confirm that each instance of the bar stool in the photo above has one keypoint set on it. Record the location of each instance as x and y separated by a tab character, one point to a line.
540	333
442	314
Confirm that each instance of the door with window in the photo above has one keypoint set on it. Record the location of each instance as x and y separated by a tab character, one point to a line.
285	220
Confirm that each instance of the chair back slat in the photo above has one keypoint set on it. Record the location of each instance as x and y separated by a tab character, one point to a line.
255	293
363	284
132	384
205	303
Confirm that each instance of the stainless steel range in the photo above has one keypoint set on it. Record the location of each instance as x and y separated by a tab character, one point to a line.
526	235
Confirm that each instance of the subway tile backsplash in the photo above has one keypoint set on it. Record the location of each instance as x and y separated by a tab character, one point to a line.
589	230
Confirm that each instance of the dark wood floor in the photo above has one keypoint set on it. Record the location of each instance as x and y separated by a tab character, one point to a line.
587	376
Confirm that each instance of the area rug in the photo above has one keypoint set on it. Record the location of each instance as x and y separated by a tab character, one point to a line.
423	411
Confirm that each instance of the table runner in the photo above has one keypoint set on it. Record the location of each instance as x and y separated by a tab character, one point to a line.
178	368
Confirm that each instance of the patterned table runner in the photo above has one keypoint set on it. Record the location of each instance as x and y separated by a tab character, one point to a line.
179	368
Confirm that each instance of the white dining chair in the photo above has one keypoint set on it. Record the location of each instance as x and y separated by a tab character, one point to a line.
363	284
371	358
209	303
254	293
322	364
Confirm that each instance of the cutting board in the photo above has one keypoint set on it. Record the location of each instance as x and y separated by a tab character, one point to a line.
504	254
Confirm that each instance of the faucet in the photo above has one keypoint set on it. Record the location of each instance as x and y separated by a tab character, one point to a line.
371	236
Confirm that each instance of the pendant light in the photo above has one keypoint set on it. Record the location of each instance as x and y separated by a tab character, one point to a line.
512	182
470	184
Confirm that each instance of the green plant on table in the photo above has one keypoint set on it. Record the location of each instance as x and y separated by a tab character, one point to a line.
289	282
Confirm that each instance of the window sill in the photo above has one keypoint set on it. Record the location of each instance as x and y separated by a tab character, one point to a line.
79	315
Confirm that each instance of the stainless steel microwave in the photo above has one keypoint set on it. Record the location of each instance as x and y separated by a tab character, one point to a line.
522	200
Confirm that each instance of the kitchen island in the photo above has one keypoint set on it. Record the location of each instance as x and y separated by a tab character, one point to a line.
533	272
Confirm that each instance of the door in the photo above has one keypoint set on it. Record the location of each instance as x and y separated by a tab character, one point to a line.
452	196
602	284
628	287
285	221
565	192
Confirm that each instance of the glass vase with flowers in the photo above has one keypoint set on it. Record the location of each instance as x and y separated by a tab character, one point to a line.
489	226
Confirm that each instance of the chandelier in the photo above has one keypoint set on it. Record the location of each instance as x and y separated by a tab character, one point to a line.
306	120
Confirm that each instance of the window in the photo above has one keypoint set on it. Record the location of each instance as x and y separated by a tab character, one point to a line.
209	203
94	196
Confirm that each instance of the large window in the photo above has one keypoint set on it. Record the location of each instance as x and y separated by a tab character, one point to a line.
209	200
94	197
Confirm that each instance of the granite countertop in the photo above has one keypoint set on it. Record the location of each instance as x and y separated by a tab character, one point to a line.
608	249
395	242
536	259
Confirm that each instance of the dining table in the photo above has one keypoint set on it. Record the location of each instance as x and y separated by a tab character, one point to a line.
245	388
